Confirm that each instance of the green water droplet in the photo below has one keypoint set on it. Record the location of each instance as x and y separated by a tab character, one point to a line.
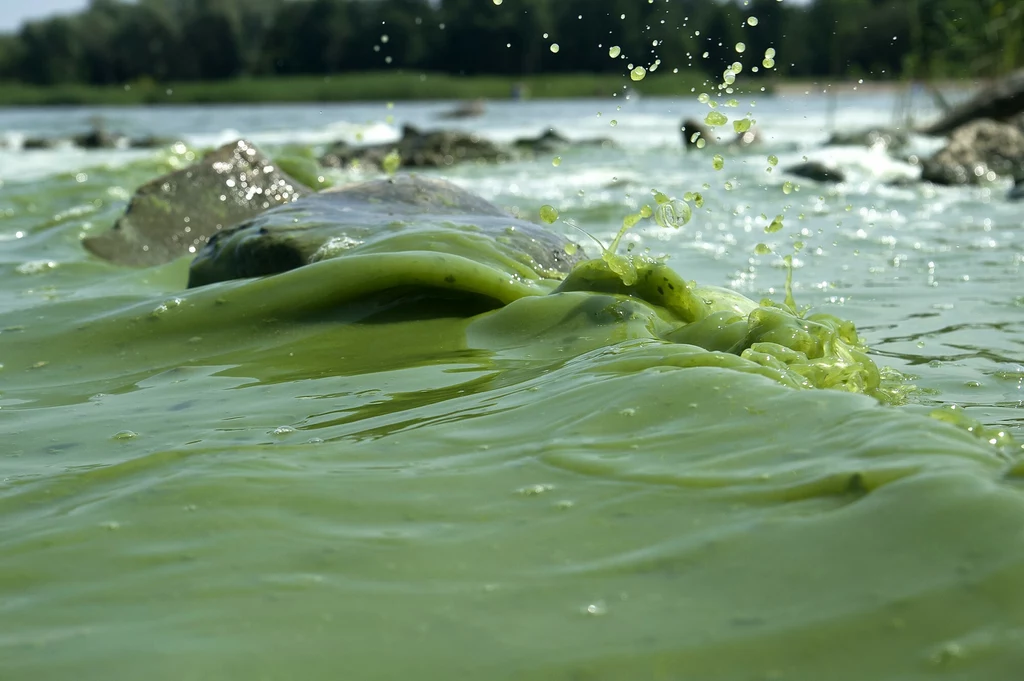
769	53
703	98
773	160
570	249
741	47
701	143
614	51
768	63
391	162
717	162
125	435
638	73
752	21
696	197
732	102
787	187
554	48
613	123
775	226
798	246
556	161
741	126
716	118
762	249
548	213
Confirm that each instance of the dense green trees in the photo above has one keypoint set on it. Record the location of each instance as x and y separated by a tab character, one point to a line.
180	40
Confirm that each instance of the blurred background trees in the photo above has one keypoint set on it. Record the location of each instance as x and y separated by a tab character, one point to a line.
115	42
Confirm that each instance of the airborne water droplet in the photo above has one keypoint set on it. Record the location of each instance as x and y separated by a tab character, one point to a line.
716	118
638	73
614	51
548	213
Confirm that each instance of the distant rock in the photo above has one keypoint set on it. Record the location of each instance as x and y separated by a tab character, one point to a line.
693	130
548	142
470	109
1017	191
99	138
178	213
417	149
817	171
552	142
36	143
976	153
151	142
1000	101
887	138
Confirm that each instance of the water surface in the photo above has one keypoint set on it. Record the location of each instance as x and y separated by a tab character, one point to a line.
495	496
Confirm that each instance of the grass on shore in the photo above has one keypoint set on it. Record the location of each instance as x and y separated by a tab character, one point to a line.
349	87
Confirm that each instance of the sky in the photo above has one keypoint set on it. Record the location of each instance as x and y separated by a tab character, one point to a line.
15	12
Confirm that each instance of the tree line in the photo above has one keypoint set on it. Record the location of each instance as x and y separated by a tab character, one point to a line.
114	42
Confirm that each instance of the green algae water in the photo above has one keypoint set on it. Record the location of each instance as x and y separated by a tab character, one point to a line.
249	481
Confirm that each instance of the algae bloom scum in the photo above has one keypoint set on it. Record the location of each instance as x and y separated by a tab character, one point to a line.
627	415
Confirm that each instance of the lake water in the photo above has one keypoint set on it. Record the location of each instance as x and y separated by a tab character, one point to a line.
495	497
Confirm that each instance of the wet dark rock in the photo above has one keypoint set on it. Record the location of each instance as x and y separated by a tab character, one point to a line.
1000	101
470	109
176	214
817	171
888	138
418	149
977	152
401	214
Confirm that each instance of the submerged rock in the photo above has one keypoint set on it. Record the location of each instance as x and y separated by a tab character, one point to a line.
817	171
428	228
1000	101
176	214
977	152
418	149
887	138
